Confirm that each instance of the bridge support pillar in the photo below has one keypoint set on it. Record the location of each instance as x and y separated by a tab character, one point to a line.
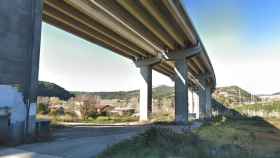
181	80
204	99
145	66
202	102
20	35
145	93
181	91
208	98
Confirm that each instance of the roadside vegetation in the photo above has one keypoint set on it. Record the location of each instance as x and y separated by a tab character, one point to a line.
267	107
97	119
104	119
223	138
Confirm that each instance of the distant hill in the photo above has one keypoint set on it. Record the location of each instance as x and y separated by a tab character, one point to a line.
234	95
278	93
226	95
229	96
160	91
48	89
110	95
163	91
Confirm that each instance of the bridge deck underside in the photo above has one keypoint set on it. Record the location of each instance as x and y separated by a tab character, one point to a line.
134	29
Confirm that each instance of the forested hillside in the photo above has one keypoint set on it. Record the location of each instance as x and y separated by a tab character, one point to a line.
160	91
48	89
234	95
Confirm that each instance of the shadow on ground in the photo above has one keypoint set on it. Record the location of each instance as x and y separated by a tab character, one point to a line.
228	135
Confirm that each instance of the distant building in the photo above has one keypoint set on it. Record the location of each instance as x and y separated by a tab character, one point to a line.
122	111
270	97
103	108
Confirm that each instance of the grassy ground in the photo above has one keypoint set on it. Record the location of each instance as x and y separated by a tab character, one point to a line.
111	119
97	120
257	136
223	138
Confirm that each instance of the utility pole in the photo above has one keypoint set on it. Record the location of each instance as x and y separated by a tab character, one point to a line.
239	97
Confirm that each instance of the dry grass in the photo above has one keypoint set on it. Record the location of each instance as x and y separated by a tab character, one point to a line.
243	138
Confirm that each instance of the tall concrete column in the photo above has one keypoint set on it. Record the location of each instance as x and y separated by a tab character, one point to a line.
145	92
145	66
181	91
208	101
31	82
202	101
20	35
181	80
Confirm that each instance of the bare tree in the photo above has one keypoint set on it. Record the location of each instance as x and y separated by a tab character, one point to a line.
87	105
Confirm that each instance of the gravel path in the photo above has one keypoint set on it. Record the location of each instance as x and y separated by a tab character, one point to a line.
81	141
76	142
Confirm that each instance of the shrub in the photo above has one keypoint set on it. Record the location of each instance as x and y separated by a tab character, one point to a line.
56	112
42	109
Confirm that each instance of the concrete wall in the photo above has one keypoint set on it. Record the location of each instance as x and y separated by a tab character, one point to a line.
193	99
12	98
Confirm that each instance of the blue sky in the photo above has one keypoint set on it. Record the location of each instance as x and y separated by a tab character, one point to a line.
242	40
241	37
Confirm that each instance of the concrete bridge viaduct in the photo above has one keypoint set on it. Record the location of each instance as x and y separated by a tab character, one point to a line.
155	34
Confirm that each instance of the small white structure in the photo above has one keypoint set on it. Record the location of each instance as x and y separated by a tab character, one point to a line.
12	99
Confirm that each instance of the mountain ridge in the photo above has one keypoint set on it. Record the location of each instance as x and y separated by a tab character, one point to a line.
228	95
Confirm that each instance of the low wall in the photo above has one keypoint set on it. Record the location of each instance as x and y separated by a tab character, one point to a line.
14	123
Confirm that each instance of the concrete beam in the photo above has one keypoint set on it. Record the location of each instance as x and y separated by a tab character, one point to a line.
182	54
181	91
148	62
135	8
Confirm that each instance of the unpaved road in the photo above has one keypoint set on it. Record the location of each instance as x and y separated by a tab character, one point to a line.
75	142
81	141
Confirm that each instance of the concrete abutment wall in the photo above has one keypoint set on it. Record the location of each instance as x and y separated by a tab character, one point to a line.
20	35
